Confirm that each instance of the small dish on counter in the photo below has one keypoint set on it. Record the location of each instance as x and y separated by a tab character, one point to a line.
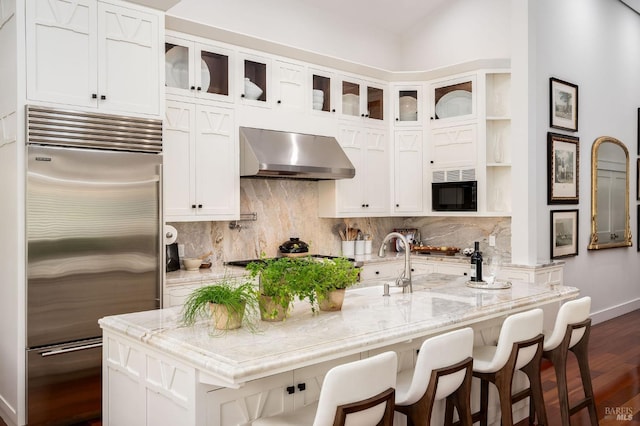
192	263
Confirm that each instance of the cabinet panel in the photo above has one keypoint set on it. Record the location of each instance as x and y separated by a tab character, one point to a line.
128	50
290	86
62	62
178	146
408	177
201	178
93	55
376	181
217	178
454	146
453	100
408	105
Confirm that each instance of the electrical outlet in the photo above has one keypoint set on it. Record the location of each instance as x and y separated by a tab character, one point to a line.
180	250
492	240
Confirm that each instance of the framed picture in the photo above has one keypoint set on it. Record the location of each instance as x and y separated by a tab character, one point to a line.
563	164
564	105
638	180
564	233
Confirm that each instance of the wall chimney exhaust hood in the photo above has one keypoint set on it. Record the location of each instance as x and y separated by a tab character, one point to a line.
270	153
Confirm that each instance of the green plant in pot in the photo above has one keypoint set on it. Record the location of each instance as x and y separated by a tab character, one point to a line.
332	278
278	286
226	301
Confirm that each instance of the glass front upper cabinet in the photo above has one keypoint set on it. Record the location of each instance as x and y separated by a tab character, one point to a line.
350	98
407	105
196	69
375	103
321	93
255	78
454	100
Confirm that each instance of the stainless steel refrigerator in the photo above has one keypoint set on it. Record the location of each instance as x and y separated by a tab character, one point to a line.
93	220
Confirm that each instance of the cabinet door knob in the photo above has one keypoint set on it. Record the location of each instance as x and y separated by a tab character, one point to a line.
242	96
302	386
199	206
431	118
397	205
366	205
397	119
431	161
193	87
103	97
193	206
94	96
363	205
361	115
333	110
290	389
199	88
279	101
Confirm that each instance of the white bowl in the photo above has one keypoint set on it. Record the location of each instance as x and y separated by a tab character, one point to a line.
192	263
318	93
251	90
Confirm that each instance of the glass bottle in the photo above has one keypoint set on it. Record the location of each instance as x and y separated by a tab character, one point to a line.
476	263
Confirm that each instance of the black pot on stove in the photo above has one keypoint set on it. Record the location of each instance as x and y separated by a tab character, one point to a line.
294	246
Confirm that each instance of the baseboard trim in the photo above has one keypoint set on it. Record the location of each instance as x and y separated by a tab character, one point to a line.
615	311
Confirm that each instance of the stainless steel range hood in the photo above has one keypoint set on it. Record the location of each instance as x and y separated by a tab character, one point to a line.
270	153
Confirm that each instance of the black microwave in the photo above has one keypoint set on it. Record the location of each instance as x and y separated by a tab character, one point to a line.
454	196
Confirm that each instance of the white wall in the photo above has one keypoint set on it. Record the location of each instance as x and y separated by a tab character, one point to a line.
596	45
297	24
458	31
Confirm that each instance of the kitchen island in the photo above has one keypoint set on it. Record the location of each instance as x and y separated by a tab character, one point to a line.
156	371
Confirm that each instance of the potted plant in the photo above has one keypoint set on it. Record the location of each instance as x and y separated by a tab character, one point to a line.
332	278
226	301
277	286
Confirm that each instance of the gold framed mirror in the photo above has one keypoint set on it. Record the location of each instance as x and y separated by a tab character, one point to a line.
609	194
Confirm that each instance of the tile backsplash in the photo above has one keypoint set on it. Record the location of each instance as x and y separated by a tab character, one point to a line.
288	208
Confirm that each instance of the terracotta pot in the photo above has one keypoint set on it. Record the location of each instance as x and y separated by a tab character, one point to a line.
271	311
332	301
225	319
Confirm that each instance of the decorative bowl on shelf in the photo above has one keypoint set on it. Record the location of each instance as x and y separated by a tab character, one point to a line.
251	90
408	108
317	105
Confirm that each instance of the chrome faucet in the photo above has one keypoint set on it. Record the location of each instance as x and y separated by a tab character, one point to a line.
404	280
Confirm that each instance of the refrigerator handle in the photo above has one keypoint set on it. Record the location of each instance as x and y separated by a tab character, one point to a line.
71	349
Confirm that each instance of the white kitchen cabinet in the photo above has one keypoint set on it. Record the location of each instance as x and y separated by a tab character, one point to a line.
367	194
254	84
280	393
201	163
197	69
453	100
325	84
362	99
454	147
408	182
94	55
382	270
290	82
408	105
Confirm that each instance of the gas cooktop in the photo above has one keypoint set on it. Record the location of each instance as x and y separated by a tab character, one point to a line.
244	263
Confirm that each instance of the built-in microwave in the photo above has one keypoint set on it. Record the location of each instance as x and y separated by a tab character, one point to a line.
454	196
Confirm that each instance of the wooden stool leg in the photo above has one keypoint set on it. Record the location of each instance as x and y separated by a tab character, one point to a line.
582	355
503	383
559	359
536	401
484	402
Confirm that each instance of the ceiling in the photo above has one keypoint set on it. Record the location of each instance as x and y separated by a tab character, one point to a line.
394	16
633	4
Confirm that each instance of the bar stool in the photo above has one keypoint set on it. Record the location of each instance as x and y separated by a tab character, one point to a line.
571	333
519	348
443	370
361	392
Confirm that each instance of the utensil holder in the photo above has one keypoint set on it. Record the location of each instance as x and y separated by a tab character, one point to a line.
360	247
348	248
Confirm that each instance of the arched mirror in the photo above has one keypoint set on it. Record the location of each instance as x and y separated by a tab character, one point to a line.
609	194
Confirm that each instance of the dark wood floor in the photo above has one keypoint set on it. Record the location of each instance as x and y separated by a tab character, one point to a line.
614	357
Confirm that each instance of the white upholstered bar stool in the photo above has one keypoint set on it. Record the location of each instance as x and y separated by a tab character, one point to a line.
443	370
571	333
519	347
359	393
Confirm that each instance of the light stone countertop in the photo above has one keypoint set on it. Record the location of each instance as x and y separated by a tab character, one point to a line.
367	321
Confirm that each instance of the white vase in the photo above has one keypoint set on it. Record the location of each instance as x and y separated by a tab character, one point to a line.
498	152
348	248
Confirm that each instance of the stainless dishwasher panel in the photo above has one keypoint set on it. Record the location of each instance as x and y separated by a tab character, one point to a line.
64	383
